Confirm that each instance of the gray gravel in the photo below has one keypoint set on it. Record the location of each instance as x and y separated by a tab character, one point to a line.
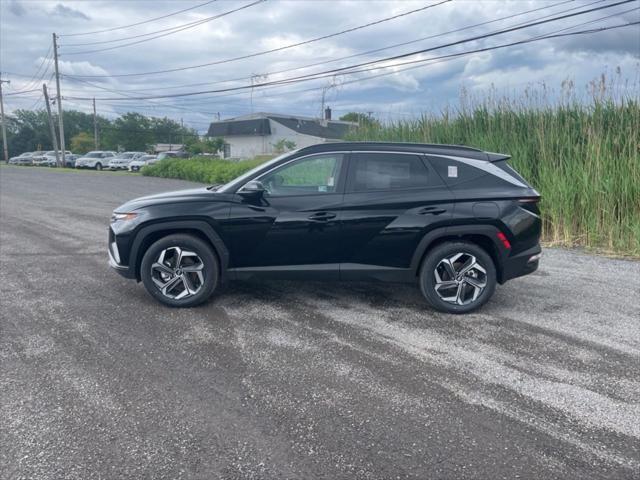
299	380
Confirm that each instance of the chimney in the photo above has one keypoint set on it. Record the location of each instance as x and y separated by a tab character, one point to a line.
327	113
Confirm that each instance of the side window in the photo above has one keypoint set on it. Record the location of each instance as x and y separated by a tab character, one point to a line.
387	171
309	176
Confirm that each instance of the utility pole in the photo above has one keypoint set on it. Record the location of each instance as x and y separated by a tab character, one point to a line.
59	98
54	138
182	131
95	125
4	124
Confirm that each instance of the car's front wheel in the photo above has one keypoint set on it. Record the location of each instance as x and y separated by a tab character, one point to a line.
180	270
457	277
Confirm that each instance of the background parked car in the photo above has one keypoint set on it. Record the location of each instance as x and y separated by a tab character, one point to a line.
175	154
22	159
122	160
138	163
50	158
97	159
70	160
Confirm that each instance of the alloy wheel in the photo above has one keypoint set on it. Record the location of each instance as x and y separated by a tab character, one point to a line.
178	273
460	279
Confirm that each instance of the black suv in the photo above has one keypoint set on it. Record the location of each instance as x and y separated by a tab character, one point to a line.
456	220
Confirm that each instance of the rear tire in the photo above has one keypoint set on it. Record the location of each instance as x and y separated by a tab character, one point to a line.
457	277
180	270
98	166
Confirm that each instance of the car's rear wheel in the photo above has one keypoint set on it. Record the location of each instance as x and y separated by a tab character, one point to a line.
457	277
98	166
180	270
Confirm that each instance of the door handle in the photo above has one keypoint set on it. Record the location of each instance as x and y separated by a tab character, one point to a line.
322	216
431	211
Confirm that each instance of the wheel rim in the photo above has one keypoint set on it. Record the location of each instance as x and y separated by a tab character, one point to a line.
460	279
178	273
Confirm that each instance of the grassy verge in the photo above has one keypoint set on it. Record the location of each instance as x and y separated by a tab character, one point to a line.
583	158
203	170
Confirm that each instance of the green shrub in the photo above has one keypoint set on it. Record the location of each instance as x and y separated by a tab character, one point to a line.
204	170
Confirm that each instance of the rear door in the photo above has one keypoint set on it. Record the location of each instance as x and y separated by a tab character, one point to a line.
392	200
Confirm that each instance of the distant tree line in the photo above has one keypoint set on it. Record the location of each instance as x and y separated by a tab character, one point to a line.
29	131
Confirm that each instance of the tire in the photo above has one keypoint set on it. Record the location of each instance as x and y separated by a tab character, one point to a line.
98	166
455	292
159	268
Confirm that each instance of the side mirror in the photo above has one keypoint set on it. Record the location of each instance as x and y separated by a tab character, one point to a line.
252	190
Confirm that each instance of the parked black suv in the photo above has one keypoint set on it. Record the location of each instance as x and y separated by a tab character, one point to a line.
455	219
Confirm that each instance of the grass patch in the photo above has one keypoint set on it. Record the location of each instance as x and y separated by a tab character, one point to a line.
204	170
583	157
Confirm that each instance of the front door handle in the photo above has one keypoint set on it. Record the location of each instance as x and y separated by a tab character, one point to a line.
322	216
431	211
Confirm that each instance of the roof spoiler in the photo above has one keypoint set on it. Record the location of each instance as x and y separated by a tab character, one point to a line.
496	157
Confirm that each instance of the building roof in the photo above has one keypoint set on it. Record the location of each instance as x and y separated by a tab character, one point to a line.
258	124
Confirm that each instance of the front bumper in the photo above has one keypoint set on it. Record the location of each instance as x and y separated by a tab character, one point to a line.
521	264
114	261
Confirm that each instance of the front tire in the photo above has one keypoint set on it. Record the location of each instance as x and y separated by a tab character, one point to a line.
180	270
457	277
98	166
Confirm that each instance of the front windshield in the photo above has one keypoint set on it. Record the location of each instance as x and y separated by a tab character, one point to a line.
164	155
236	182
93	155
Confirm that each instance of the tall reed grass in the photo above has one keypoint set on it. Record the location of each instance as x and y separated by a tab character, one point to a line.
582	154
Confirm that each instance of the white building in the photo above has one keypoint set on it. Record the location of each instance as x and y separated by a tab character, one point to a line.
259	133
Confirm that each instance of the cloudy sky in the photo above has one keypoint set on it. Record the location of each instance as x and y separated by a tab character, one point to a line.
220	31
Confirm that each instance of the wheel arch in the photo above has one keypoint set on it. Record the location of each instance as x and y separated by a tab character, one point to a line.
198	228
484	236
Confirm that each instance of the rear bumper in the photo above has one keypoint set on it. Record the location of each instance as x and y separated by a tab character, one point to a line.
521	264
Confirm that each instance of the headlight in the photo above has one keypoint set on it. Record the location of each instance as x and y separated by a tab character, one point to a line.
116	216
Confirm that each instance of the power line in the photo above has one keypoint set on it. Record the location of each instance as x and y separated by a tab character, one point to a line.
363	53
171	31
346	70
139	23
278	49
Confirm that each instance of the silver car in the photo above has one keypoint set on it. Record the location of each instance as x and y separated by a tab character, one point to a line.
25	158
122	160
97	159
138	163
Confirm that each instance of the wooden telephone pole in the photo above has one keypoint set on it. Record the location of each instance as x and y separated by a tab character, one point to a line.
59	99
4	124
95	126
54	138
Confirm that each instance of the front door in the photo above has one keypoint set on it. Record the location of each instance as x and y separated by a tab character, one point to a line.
295	225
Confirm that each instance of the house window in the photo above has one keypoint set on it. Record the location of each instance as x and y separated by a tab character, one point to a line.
226	150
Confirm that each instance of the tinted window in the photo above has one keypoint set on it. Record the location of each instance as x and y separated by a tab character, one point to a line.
387	171
308	176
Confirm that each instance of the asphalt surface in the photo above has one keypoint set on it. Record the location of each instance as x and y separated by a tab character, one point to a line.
299	380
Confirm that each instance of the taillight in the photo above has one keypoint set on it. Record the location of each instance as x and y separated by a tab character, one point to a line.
505	241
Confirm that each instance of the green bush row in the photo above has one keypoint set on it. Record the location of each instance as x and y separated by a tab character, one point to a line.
211	171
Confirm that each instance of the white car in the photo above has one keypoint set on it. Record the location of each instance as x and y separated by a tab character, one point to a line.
122	160
138	163
97	159
50	158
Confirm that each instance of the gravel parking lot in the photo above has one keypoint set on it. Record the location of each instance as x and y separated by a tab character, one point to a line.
300	381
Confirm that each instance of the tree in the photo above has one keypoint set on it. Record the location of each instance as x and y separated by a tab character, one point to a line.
131	131
82	142
283	145
363	120
195	146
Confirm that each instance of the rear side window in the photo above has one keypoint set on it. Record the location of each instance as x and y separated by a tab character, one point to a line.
387	171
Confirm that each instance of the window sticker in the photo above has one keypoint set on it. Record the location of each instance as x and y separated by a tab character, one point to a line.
453	171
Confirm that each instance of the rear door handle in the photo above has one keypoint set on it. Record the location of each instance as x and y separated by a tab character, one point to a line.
322	216
431	211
